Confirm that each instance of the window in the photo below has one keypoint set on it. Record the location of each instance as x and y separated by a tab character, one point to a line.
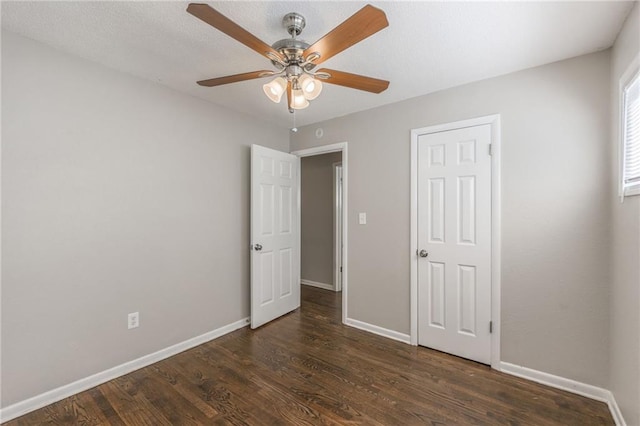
630	131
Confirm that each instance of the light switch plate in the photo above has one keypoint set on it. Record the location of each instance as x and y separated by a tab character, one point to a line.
133	320
362	218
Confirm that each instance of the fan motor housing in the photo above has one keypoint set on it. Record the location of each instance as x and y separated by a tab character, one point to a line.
291	48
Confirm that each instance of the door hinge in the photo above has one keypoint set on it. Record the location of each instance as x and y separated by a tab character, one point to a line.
490	149
341	269
490	327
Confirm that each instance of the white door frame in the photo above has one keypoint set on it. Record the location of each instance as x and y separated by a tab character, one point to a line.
338	235
326	149
494	122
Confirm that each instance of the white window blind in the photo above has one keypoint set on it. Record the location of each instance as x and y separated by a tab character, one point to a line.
631	137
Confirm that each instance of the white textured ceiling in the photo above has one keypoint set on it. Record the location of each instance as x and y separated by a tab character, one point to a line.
428	46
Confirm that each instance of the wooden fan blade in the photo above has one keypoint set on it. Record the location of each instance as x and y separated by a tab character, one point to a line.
289	96
364	23
354	81
235	78
217	20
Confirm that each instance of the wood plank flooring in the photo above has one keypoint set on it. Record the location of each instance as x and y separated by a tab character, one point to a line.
306	368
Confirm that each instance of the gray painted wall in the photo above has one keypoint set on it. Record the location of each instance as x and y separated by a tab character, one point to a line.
118	195
625	254
317	217
555	209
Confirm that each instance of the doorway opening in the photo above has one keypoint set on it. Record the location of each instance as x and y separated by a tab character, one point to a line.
323	224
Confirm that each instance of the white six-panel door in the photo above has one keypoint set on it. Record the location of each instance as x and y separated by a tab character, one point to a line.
275	234
454	242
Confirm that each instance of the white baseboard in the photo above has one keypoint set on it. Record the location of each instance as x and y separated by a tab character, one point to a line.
590	391
23	407
317	284
384	332
615	411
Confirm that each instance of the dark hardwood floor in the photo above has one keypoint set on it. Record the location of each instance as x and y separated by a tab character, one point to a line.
306	368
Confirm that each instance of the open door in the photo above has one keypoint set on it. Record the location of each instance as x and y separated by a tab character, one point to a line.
275	234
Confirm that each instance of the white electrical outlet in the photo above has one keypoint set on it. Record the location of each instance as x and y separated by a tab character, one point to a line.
362	218
133	320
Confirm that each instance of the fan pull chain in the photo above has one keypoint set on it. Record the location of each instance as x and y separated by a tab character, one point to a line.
294	129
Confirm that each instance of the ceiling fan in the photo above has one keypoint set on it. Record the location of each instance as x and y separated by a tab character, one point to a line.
295	60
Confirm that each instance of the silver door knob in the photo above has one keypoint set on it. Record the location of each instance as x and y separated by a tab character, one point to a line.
423	253
257	247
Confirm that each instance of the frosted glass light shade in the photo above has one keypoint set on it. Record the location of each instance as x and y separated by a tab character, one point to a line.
311	87
275	89
298	101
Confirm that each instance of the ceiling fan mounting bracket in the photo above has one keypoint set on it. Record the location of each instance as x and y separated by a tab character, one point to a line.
294	23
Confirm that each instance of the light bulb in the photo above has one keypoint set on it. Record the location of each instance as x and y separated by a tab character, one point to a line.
275	89
298	100
311	87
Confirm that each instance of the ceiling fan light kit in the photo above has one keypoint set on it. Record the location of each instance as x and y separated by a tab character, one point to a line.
295	60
